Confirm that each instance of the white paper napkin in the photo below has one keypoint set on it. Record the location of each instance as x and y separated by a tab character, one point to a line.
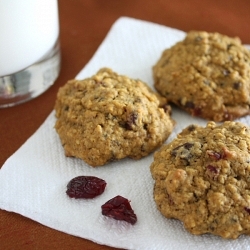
33	180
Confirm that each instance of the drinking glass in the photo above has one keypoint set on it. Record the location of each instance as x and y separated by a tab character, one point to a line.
29	49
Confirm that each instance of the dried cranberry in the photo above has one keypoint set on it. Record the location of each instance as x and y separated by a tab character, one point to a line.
225	154
212	172
196	111
119	208
212	169
227	116
214	155
85	187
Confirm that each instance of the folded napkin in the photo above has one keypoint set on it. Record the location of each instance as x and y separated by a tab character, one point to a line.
33	180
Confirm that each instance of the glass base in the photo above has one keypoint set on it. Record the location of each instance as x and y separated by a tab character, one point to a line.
32	81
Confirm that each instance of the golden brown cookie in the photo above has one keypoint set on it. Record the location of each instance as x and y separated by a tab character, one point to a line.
207	75
202	178
109	117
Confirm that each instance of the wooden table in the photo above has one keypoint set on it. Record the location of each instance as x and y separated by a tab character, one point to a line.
83	26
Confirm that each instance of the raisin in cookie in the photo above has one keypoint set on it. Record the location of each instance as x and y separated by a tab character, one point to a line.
206	74
203	179
109	117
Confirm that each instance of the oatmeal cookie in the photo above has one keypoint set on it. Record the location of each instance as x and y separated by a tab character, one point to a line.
109	117
207	75
202	178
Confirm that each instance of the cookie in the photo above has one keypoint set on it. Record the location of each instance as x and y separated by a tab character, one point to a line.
108	117
202	178
207	75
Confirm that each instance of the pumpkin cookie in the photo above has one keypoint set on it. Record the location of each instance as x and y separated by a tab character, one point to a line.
207	75
109	117
203	179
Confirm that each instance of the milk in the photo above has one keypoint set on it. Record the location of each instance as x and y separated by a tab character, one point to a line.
28	30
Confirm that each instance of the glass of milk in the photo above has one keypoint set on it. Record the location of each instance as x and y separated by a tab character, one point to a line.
29	49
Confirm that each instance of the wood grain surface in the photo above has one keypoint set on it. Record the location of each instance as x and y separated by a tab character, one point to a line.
83	26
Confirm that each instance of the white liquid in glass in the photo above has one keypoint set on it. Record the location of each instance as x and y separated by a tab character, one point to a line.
28	30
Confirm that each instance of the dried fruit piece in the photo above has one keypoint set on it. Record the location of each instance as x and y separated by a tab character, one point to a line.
189	105
167	108
237	85
119	208
86	187
214	155
186	146
197	111
247	209
228	154
131	120
212	172
183	152
225	154
191	127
